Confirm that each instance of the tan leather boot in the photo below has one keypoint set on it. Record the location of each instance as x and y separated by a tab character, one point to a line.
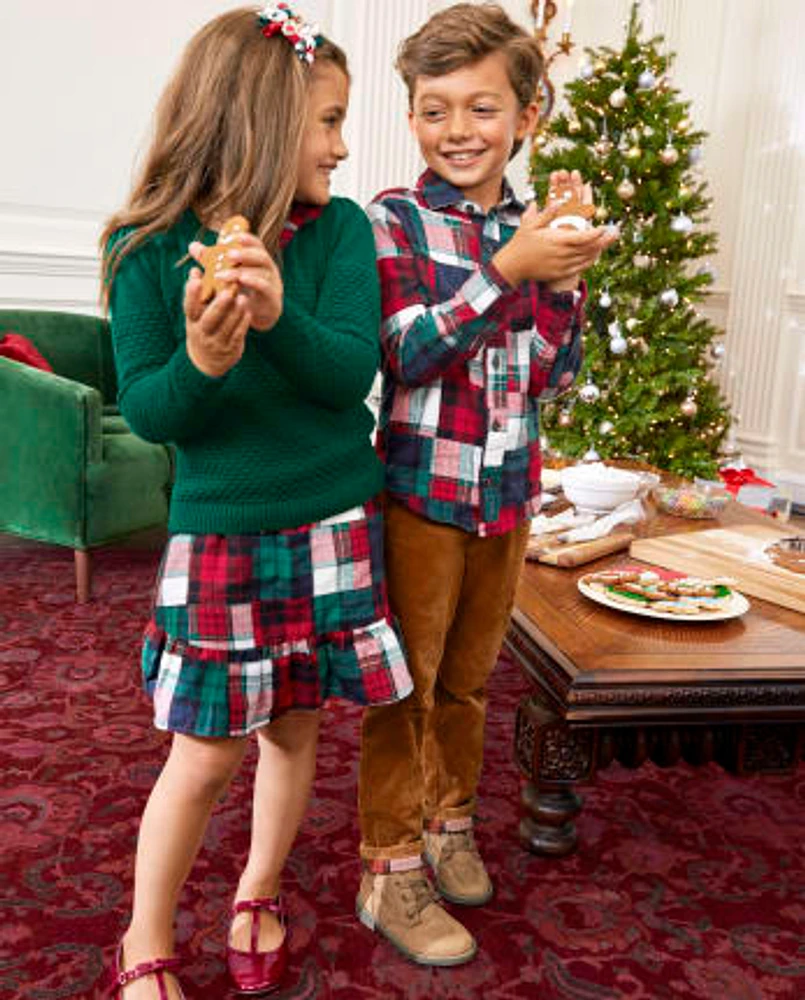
460	873
405	909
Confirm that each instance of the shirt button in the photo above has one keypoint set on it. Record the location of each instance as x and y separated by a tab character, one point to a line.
496	362
497	425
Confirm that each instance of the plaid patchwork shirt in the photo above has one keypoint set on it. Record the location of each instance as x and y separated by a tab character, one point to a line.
467	357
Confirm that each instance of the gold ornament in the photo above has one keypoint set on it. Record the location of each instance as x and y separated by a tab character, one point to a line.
633	153
565	418
601	213
684	124
574	126
626	190
599	65
603	147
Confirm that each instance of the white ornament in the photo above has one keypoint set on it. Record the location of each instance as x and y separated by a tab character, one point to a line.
648	131
647	80
631	323
689	407
591	456
670	297
669	155
590	393
605	301
641	260
618	345
606	427
618	98
682	223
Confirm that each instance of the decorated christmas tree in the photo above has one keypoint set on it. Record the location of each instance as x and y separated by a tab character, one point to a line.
647	389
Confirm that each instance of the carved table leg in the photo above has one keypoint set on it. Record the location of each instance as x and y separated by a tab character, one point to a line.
552	756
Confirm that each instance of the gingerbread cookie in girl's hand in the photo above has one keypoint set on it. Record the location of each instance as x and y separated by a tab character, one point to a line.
214	259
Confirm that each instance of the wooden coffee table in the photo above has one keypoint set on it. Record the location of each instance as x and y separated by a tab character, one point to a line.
607	685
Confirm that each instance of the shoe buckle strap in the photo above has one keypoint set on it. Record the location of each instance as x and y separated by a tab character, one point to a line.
150	968
273	904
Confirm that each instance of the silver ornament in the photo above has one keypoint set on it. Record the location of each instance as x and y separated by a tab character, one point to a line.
605	301
718	351
695	155
617	98
586	70
606	427
647	80
591	455
670	297
682	223
590	393
618	345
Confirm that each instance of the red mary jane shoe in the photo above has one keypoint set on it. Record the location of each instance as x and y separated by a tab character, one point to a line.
253	972
158	967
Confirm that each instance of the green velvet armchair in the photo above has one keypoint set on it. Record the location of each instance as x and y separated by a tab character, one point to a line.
71	471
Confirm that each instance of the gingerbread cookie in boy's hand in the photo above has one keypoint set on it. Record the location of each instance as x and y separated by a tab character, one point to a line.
214	259
574	213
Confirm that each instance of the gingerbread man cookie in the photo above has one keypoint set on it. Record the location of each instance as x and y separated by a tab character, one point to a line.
214	258
575	214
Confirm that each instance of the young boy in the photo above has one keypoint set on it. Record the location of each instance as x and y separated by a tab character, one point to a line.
482	313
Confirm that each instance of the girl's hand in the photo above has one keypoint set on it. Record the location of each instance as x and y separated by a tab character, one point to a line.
255	276
216	333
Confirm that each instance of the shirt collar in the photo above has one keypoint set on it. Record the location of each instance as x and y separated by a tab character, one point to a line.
439	193
299	216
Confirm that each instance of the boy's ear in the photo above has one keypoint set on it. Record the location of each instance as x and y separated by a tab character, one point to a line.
529	115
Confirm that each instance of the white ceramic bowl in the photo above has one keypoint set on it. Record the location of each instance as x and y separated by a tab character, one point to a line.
599	488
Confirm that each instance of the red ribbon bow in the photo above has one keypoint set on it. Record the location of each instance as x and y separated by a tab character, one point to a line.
734	479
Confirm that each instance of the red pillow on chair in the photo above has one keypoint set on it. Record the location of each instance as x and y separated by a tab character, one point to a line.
18	348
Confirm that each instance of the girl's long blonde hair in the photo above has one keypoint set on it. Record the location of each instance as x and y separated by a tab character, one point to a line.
226	136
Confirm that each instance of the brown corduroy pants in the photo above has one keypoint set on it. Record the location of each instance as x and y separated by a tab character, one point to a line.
421	758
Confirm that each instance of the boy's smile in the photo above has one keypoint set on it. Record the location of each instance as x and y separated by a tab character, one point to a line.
466	123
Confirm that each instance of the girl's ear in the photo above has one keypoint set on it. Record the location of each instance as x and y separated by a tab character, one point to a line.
529	115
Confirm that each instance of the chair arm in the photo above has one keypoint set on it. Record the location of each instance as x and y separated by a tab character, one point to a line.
50	430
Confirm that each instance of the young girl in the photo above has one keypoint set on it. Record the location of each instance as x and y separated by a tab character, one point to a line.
270	597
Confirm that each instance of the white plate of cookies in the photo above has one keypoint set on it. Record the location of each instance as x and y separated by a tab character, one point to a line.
669	596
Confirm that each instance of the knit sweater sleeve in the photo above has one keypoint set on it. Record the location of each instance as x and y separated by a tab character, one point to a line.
331	353
161	393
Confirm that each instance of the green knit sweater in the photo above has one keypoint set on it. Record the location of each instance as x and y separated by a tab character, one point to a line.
284	438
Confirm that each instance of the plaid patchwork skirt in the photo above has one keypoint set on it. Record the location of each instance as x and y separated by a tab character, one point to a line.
247	627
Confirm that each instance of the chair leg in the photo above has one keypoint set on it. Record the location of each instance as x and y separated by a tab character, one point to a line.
83	575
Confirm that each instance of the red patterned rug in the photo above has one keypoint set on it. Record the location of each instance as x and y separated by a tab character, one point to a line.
688	884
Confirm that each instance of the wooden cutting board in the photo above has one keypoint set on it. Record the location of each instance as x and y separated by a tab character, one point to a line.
737	552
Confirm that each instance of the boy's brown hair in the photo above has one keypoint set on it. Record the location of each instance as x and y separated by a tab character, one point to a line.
465	33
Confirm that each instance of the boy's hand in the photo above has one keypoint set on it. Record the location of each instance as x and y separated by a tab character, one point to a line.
216	333
555	256
255	277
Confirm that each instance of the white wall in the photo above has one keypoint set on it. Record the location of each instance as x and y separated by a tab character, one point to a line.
85	84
